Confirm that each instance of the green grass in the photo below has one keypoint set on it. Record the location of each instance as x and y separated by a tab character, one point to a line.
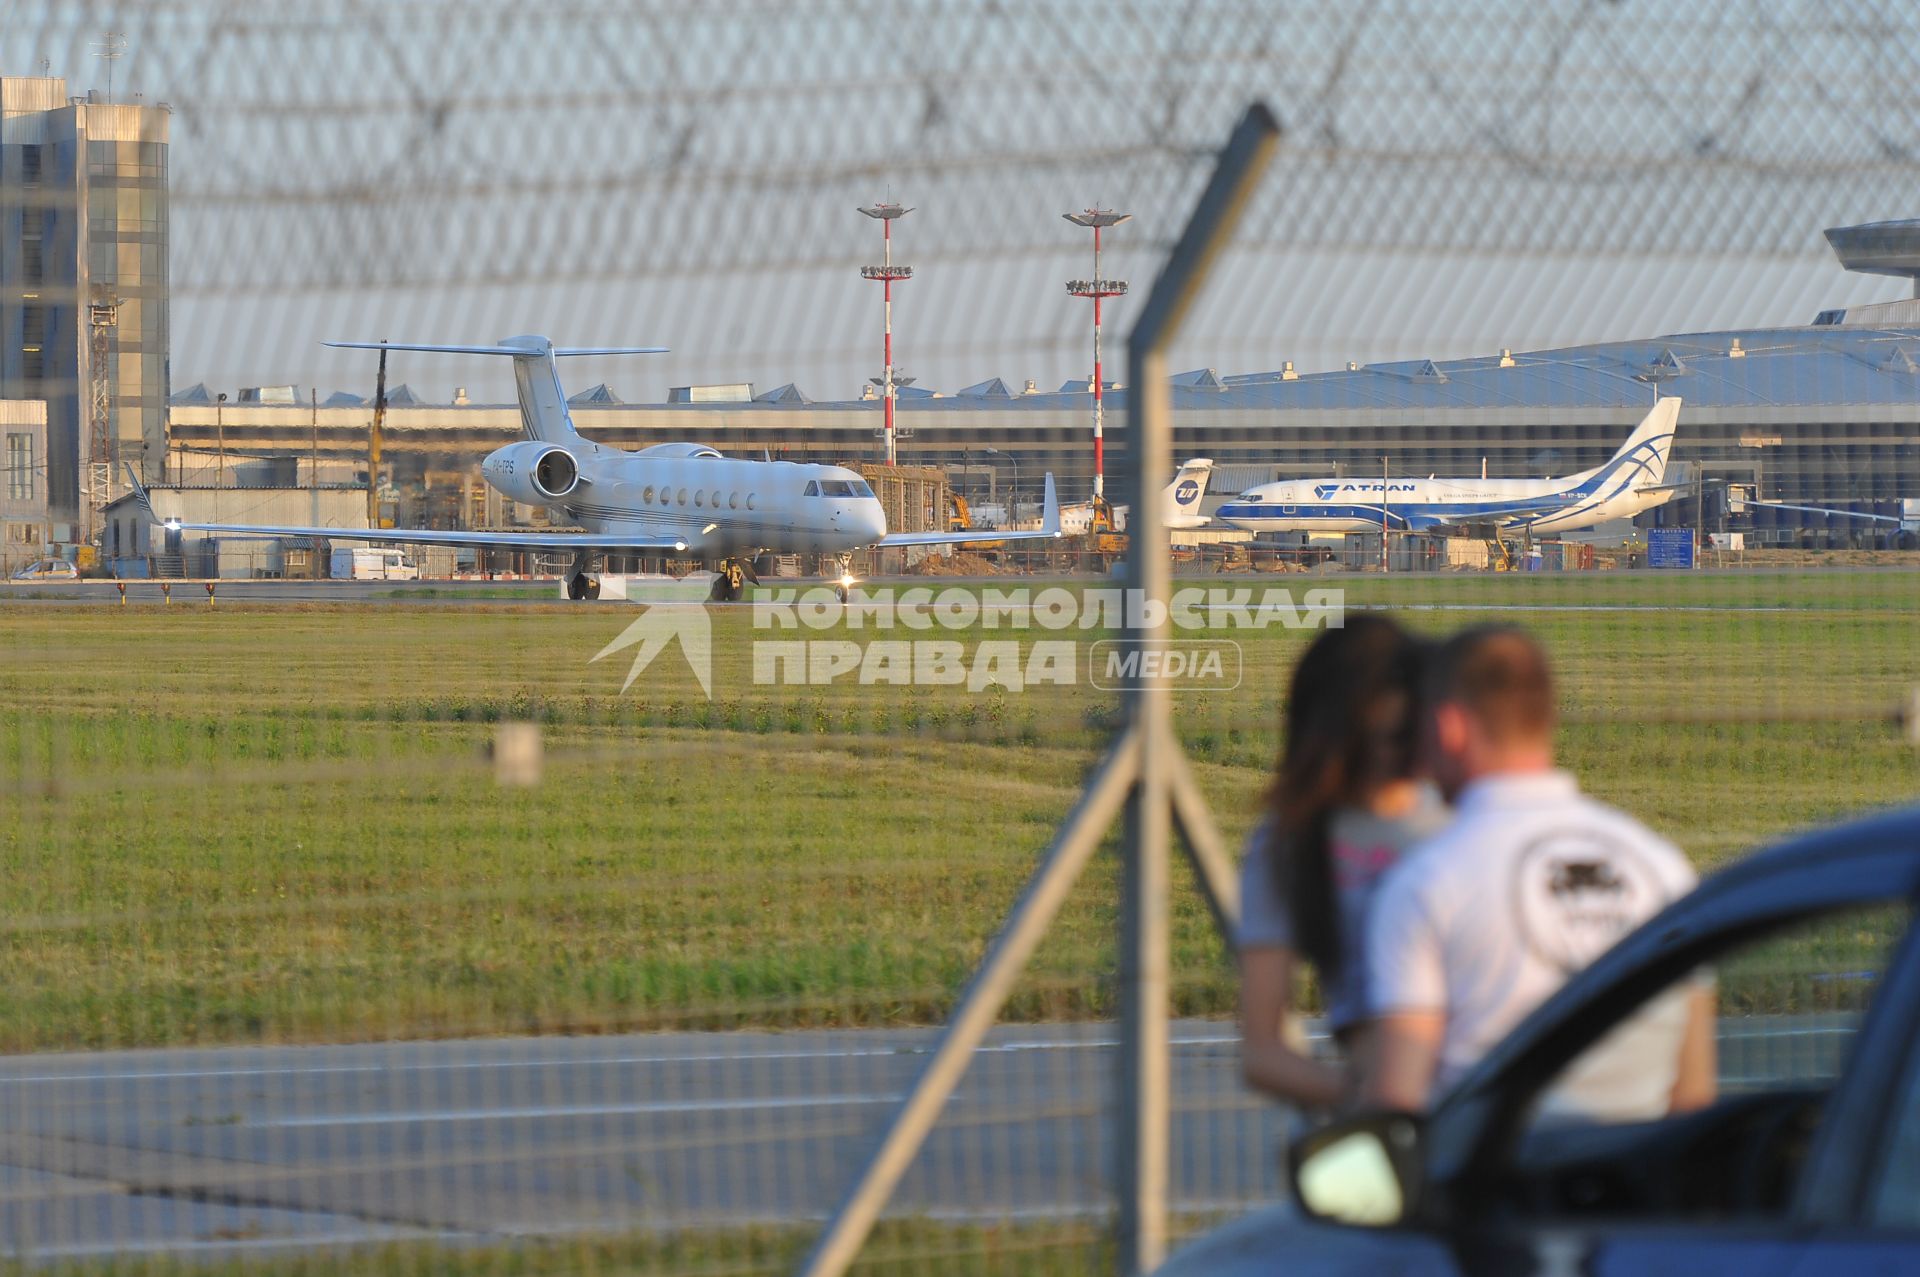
896	1248
261	823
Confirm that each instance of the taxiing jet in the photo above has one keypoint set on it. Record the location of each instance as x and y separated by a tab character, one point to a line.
682	499
1632	480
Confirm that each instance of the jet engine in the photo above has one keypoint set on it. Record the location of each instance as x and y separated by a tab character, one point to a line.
532	472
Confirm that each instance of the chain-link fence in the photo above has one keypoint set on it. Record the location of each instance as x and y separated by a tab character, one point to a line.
364	922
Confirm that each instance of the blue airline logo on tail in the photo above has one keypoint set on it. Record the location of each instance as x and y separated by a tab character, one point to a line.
1186	492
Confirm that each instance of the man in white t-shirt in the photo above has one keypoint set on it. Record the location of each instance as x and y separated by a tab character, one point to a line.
1531	882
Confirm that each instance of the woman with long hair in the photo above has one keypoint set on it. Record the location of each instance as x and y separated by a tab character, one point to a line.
1344	805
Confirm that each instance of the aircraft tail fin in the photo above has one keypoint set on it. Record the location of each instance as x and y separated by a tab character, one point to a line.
1184	493
543	405
1642	460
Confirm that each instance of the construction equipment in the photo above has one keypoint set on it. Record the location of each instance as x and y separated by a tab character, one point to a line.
1105	536
960	519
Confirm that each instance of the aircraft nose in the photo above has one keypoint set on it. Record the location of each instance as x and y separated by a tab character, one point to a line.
871	520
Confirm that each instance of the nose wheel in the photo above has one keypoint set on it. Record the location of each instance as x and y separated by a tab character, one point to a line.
843	588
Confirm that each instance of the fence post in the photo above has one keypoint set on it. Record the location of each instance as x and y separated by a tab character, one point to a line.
1144	1065
1144	771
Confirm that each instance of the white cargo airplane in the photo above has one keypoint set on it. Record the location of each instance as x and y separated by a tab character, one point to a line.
682	499
1632	480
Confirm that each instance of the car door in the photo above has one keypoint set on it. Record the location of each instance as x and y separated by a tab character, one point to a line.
1812	1003
1864	1195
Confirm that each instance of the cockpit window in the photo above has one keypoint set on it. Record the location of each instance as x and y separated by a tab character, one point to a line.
840	488
1251	498
860	488
813	489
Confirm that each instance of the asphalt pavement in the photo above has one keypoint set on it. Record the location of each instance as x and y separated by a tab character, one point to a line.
266	1148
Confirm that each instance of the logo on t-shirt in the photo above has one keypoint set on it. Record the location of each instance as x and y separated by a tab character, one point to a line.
1578	892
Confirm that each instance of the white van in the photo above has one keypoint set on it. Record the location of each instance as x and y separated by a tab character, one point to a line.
362	563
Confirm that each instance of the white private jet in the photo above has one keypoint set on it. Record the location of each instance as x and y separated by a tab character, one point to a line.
682	499
1632	480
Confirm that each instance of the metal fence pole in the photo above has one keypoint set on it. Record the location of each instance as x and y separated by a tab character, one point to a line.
1072	848
1143	1098
1206	850
1145	771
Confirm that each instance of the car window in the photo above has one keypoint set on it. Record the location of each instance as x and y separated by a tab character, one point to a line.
1726	1139
1896	1200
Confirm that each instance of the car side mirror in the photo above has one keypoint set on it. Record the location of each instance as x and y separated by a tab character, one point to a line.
1365	1170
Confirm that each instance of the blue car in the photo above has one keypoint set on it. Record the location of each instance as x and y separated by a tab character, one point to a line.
1808	1160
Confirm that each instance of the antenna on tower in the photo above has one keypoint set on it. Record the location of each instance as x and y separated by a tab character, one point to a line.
109	47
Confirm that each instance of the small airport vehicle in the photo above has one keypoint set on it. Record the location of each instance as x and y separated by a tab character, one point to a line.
360	564
1808	1161
48	570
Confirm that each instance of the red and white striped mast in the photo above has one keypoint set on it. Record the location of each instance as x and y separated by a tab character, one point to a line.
887	273
1098	289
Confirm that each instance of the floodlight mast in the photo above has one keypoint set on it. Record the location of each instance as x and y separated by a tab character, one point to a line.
887	273
1098	289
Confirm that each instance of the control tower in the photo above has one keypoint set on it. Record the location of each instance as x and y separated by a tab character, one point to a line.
1880	248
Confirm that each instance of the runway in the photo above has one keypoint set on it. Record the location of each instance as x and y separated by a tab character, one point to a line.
486	1140
478	1142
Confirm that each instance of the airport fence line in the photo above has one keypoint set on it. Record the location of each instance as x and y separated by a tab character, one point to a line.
404	927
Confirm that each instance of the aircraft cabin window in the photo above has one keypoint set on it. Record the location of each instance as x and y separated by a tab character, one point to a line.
716	499
750	500
699	498
733	501
683	496
647	494
813	489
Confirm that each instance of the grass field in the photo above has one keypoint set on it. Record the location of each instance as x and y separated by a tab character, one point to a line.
264	823
897	1248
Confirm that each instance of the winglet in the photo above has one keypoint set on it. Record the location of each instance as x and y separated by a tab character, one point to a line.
133	481
146	501
1050	508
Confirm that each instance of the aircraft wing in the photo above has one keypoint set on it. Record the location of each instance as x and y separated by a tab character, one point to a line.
417	536
1048	530
1741	505
1520	510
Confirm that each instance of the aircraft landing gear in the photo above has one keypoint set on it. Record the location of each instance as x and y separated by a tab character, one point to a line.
731	581
843	588
581	584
